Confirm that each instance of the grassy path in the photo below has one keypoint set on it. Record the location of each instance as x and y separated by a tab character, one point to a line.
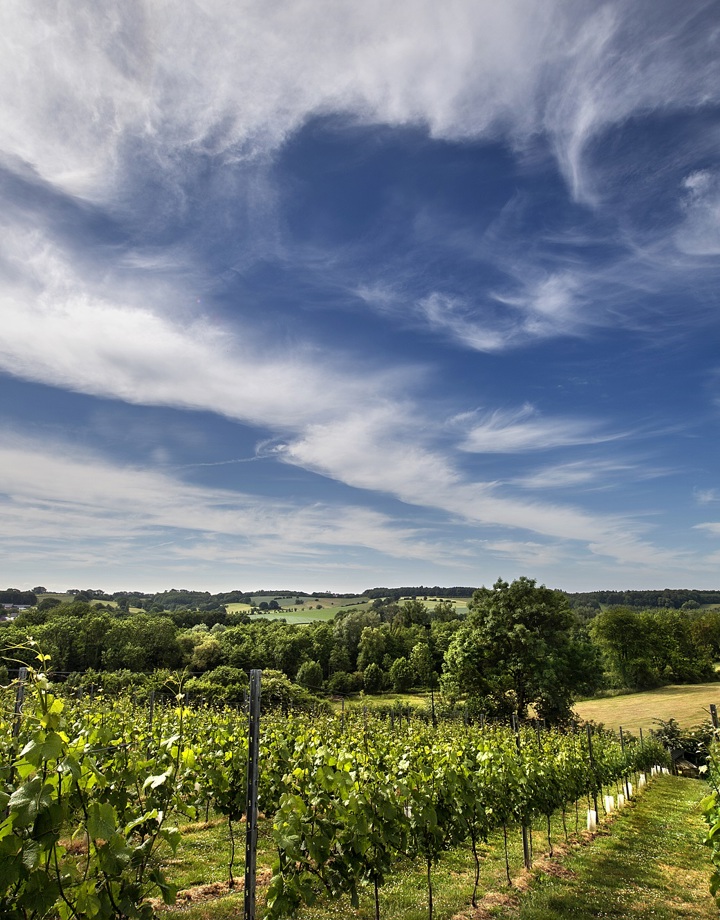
649	864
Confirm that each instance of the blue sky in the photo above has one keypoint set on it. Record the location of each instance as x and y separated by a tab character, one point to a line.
332	295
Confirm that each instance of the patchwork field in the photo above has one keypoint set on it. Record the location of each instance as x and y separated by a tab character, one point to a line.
312	610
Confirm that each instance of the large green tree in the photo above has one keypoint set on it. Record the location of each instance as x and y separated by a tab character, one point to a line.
648	648
518	647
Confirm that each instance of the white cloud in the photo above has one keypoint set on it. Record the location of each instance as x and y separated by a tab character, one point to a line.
234	78
519	430
100	98
587	473
550	305
711	527
453	317
50	490
381	450
64	330
624	61
528	554
706	496
387	452
699	234
219	76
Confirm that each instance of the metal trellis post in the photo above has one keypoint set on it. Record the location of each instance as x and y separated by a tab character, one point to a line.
592	767
19	700
251	811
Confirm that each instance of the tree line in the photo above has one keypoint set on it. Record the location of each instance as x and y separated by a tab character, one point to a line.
519	645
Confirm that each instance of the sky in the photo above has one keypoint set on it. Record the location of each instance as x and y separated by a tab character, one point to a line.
328	295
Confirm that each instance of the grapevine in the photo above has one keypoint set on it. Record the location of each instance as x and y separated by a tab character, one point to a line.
93	792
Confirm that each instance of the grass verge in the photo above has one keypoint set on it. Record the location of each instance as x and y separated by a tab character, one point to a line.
649	863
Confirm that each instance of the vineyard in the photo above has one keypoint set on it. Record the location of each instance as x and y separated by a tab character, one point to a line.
95	793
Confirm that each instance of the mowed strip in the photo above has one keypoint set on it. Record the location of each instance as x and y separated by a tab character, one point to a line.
649	864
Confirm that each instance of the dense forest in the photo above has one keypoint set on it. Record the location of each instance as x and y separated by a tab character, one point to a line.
668	598
516	645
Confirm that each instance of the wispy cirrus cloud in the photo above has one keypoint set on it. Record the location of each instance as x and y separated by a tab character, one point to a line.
591	474
546	306
699	233
706	496
711	527
382	454
456	319
528	554
234	79
524	429
52	489
62	329
113	247
570	281
153	98
624	64
70	336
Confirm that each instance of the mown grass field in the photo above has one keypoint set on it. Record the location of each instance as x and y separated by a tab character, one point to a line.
418	700
459	603
298	616
688	704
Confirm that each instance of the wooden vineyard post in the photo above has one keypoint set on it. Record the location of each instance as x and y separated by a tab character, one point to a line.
251	810
714	715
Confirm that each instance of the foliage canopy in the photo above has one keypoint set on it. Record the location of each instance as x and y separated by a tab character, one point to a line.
517	648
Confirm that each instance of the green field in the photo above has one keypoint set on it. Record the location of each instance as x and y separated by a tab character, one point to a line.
688	704
297	616
418	700
312	610
459	603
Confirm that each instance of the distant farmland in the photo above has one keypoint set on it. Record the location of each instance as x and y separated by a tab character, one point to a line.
312	610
